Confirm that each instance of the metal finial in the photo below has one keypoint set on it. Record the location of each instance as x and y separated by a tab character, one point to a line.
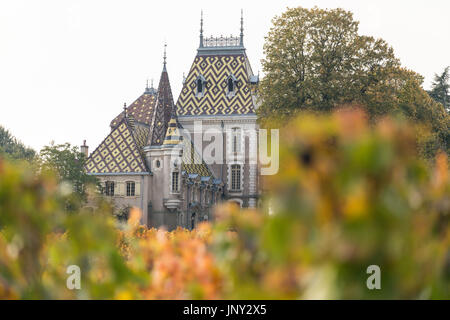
125	109
152	83
201	29
242	28
146	86
165	56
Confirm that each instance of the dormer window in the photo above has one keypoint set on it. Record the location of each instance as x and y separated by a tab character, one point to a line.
231	85
200	84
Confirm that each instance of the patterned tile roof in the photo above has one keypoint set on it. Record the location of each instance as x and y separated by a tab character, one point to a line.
163	111
173	136
216	70
191	161
140	134
120	152
141	109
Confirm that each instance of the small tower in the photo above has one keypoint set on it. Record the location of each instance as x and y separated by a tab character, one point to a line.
162	142
163	109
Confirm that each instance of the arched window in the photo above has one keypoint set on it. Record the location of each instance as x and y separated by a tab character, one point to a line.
236	140
175	181
230	85
131	189
200	82
236	177
199	86
109	188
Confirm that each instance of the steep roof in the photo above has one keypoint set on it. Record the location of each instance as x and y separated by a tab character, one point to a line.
142	109
150	120
216	68
163	110
120	152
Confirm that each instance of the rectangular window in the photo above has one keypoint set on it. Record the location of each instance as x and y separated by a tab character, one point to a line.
235	177
109	188
175	185
236	140
131	187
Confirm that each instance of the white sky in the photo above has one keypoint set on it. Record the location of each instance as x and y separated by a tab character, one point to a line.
67	67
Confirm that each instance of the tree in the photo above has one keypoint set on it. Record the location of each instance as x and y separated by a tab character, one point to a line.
440	88
68	163
315	60
12	148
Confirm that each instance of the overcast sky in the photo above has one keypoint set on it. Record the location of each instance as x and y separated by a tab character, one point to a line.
67	67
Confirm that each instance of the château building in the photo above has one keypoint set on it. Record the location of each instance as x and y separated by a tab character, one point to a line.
156	154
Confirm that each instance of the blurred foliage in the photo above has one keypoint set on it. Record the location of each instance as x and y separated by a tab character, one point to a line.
39	241
13	149
347	196
316	60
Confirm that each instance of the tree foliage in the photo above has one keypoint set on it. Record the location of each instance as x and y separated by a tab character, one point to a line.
69	164
316	61
440	89
12	148
347	196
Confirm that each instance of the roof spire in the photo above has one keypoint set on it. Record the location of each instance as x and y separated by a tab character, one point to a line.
165	57
125	109
201	29
242	28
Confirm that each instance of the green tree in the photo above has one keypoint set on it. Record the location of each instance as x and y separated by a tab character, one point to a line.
69	164
440	88
11	148
315	60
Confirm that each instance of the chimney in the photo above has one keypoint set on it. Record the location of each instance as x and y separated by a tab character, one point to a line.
85	149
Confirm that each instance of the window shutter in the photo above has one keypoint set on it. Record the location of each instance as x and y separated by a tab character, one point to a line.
137	190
